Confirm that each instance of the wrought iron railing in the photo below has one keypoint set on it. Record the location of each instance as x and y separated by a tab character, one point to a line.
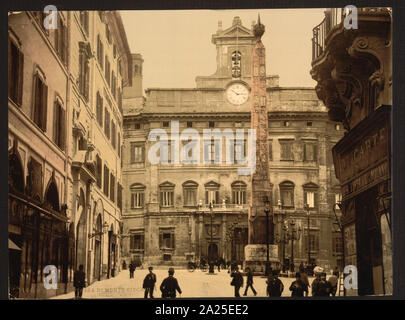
333	18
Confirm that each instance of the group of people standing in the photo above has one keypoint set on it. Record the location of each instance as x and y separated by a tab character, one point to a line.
320	287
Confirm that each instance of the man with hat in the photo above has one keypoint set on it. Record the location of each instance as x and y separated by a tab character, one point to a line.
170	285
321	287
274	285
149	283
298	287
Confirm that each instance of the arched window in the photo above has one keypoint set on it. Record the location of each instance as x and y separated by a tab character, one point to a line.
137	195
52	196
238	192
190	193
287	194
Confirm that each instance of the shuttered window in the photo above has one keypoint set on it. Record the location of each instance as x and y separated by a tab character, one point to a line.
286	150
99	109
166	239
112	187
239	192
84	71
310	152
40	102
287	194
61	40
107	123
137	152
15	73
106	180
59	126
137	242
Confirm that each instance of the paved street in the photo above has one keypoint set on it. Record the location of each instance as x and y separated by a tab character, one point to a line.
195	284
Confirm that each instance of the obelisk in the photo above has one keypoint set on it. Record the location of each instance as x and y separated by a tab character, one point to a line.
255	251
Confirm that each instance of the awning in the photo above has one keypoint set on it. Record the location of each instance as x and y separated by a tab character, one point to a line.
12	245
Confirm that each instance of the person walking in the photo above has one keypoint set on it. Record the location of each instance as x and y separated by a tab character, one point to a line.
298	287
170	285
301	267
321	287
333	281
79	282
131	270
149	283
237	281
249	282
274	285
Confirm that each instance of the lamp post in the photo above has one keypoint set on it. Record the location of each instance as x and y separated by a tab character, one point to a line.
267	212
339	223
309	242
211	264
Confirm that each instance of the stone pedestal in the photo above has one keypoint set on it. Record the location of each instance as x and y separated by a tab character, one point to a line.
256	258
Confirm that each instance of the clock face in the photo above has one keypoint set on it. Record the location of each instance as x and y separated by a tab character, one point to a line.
237	93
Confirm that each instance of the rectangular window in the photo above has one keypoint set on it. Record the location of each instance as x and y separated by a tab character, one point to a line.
313	242
310	198
15	73
40	102
189	124
239	197
287	197
337	244
99	170
286	150
137	199
107	71
166	198
112	187
113	135
211	196
107	123
211	124
190	197
100	51
99	109
119	196
137	153
106	180
166	124
84	21
310	152
166	239
137	242
84	71
59	126
61	40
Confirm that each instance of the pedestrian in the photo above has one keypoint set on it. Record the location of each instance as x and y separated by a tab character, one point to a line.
249	282
333	280
304	278
274	285
298	287
124	265
301	267
170	285
237	281
149	283
321	287
131	270
79	282
219	265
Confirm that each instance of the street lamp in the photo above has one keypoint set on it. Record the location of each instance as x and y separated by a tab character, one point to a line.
267	212
309	247
339	223
211	264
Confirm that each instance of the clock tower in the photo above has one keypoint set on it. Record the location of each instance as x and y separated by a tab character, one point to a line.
234	51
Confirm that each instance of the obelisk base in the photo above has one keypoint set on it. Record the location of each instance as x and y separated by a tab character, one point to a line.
256	258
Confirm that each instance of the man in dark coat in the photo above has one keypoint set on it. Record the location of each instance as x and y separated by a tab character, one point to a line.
170	285
249	282
237	281
79	282
274	285
149	283
131	270
298	287
321	287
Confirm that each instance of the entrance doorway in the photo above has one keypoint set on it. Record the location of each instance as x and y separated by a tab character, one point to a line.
369	248
97	249
212	252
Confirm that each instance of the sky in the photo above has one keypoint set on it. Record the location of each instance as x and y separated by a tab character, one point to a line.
176	45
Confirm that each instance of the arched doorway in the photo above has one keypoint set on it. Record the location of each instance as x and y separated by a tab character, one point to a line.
81	231
212	252
97	248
